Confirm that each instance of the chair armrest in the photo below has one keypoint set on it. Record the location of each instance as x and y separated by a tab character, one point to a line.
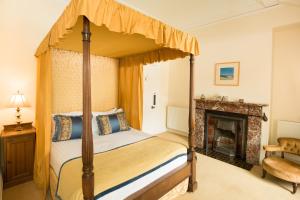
273	148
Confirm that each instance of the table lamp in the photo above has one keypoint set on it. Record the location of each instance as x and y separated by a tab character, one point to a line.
18	101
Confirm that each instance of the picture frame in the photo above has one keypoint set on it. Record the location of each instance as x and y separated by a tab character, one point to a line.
227	74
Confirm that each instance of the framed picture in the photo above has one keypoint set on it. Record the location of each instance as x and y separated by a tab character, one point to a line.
227	74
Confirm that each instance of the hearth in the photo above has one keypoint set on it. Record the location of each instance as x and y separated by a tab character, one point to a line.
226	133
230	160
228	128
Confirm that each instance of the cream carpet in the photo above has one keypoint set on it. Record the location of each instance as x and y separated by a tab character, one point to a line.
220	181
25	191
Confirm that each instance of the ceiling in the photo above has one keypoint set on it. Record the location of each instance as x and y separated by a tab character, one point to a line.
189	14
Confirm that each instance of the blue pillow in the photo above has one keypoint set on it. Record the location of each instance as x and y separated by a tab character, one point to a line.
112	123
67	128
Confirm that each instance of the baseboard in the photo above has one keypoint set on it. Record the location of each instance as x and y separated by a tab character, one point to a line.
178	132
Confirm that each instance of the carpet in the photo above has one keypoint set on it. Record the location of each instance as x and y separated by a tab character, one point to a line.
25	191
221	181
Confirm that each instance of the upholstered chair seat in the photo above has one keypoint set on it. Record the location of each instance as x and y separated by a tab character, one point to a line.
281	167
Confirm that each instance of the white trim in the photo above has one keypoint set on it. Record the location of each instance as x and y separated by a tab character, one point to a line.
178	132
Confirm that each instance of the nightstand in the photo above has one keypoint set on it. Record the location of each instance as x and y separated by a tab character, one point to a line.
17	154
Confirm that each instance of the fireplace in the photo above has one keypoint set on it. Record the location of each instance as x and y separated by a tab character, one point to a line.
229	128
226	133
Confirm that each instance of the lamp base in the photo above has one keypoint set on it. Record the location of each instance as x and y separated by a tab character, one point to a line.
18	115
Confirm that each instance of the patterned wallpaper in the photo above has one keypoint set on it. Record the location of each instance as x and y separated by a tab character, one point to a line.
67	82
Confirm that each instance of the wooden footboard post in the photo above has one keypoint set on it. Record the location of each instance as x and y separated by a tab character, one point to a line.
192	158
87	137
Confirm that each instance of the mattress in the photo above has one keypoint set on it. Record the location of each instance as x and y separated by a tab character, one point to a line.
63	152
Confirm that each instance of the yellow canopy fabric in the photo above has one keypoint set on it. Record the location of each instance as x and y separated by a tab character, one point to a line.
117	31
43	121
131	85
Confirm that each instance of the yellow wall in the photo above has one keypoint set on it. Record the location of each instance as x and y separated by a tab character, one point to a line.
247	39
23	25
286	76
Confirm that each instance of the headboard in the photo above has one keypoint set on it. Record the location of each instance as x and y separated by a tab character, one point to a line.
67	82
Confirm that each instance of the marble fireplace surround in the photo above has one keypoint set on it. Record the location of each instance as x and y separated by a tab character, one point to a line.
253	111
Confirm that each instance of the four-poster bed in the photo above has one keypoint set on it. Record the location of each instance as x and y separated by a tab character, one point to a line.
135	40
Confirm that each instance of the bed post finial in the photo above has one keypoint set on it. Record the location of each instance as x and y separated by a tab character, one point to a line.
191	151
87	137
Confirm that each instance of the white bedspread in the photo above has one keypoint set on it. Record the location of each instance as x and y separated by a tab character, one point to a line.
67	150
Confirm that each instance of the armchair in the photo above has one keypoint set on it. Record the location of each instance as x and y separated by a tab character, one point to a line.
281	167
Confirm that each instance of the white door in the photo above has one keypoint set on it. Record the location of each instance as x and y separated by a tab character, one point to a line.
156	78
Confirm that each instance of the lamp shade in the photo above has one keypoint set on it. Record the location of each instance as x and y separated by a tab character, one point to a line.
18	100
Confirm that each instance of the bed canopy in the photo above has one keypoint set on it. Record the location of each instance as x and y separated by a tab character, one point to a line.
107	28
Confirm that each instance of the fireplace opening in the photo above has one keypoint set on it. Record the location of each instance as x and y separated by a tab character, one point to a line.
226	133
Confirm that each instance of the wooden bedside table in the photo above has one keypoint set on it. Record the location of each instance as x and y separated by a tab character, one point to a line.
17	154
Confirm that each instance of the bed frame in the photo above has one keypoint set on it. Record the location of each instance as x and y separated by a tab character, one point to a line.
158	188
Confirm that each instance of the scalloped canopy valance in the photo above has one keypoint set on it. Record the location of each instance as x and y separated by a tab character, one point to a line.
118	31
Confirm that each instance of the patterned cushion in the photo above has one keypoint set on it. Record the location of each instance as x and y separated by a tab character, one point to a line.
112	123
67	127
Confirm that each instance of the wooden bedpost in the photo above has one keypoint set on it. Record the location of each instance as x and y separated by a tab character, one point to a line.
192	154
87	137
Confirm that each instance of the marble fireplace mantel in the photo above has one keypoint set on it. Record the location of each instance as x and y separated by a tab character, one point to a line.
252	110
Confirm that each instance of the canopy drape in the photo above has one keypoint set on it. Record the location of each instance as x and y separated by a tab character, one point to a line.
131	92
43	121
119	32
